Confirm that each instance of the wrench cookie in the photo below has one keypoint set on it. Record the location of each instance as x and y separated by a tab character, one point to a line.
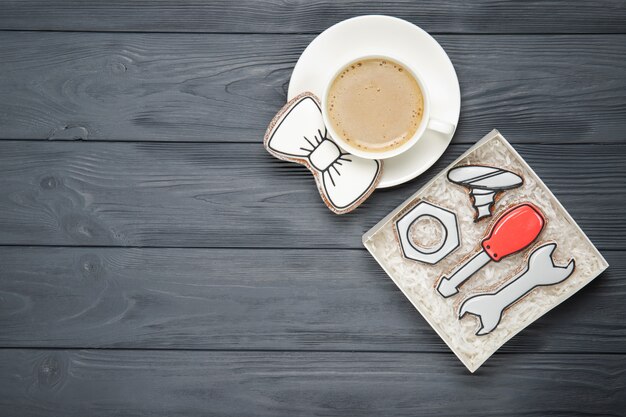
539	271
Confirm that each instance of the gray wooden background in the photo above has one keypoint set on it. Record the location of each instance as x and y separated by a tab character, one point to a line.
155	260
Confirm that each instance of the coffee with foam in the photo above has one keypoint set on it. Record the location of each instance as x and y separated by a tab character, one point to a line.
375	104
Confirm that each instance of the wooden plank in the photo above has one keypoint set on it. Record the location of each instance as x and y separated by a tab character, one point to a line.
256	299
237	195
226	88
273	16
154	383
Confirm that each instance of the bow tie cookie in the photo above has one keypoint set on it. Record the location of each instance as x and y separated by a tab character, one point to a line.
297	134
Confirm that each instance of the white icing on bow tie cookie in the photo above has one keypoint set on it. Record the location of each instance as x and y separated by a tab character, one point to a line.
297	134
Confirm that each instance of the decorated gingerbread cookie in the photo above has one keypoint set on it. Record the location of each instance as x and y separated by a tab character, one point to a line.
297	134
484	183
413	247
539	271
513	231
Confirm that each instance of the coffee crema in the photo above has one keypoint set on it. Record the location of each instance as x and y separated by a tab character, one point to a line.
375	104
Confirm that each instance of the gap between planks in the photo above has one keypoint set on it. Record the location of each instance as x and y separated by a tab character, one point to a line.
435	33
259	142
255	248
379	351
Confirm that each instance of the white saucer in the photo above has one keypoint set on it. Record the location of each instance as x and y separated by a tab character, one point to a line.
368	35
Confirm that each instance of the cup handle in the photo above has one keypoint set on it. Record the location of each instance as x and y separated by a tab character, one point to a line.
441	126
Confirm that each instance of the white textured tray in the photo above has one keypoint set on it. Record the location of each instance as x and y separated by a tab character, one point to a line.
418	280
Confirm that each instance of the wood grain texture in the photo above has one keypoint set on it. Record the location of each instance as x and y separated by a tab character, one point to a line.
237	195
153	383
256	299
207	278
479	16
226	88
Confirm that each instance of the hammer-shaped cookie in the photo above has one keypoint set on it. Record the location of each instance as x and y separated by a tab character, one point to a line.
540	271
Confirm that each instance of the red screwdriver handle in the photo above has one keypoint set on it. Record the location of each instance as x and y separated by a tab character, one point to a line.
514	230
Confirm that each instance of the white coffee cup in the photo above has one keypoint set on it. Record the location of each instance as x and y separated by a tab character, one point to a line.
427	122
